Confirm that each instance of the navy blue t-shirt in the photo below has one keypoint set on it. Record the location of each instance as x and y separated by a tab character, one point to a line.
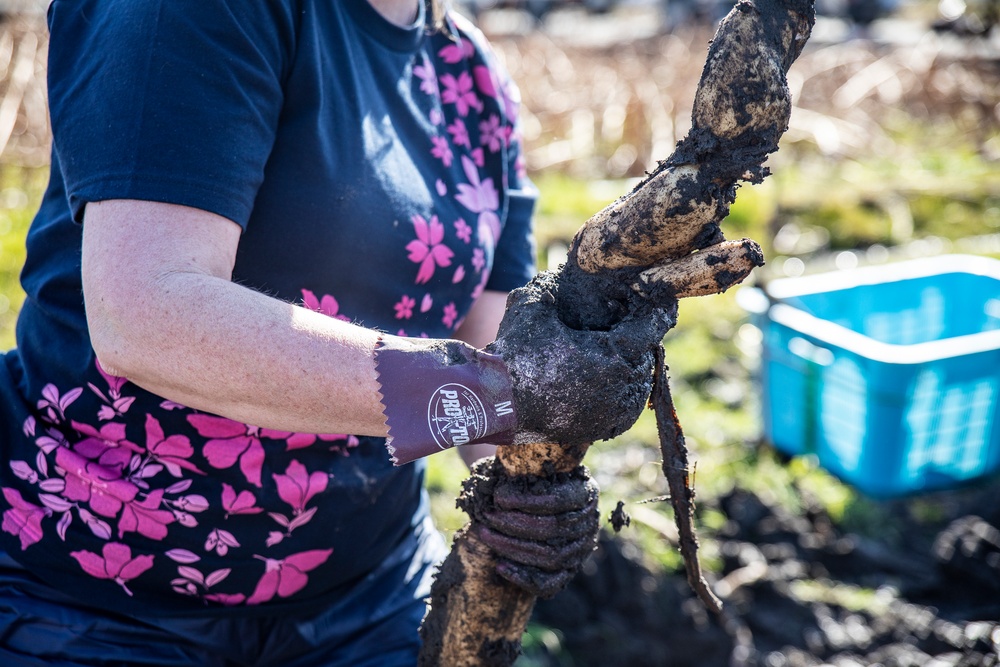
376	173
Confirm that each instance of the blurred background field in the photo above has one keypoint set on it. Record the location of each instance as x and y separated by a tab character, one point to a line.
893	152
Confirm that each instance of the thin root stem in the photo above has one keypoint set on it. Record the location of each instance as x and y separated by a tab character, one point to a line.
675	468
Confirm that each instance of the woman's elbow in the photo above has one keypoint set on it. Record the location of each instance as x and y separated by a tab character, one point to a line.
113	346
120	323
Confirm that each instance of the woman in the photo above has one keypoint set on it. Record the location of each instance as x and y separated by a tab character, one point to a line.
246	200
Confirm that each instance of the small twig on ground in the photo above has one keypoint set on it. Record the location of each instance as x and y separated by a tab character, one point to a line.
675	468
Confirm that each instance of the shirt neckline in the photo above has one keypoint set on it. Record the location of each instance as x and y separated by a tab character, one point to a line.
390	35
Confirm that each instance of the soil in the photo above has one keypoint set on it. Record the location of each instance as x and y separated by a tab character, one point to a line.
800	591
451	574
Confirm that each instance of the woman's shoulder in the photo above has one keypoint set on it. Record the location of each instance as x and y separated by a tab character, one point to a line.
158	24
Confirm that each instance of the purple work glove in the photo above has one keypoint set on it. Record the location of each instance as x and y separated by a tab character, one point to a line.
541	529
540	381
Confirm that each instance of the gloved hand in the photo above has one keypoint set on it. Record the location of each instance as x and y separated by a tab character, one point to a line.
540	381
574	386
541	530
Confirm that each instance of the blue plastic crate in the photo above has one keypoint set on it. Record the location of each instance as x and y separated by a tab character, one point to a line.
890	375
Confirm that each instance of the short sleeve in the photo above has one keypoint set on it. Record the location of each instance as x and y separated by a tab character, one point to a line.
514	261
173	101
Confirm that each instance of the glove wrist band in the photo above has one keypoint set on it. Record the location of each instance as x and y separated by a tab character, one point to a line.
441	394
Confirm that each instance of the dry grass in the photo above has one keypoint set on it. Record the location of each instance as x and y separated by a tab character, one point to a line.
24	120
613	111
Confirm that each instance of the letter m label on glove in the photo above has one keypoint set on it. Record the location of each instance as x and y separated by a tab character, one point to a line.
442	394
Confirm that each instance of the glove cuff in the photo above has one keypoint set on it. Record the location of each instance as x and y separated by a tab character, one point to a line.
441	394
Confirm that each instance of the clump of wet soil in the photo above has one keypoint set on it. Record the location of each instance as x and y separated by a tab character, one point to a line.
800	591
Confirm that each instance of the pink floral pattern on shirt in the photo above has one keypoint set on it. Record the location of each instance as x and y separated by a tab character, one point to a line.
115	562
428	249
286	577
114	487
23	519
478	111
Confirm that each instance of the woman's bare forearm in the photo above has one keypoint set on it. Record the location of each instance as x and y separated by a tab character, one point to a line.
164	313
216	346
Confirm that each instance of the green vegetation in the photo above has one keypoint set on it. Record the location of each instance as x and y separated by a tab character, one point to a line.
20	194
920	179
852	598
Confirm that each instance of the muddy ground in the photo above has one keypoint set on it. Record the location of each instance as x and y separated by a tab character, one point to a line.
800	592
